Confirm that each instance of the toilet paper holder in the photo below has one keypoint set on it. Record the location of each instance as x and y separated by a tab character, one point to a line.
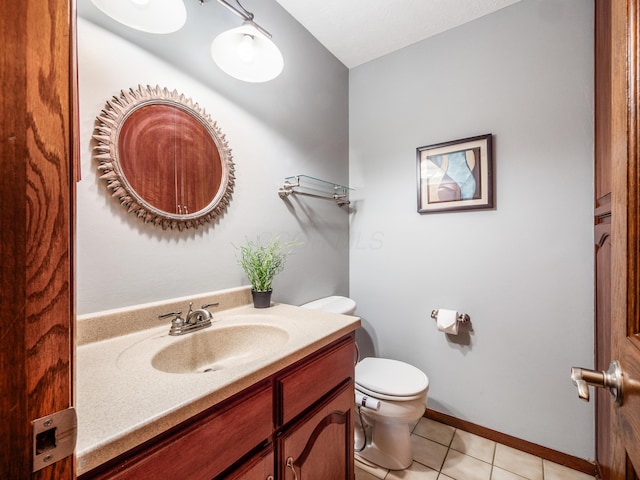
462	317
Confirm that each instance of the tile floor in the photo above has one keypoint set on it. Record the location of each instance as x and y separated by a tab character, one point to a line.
442	452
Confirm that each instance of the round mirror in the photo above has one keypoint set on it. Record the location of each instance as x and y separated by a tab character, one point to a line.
164	158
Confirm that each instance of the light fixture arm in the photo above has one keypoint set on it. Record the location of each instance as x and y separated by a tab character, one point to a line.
243	13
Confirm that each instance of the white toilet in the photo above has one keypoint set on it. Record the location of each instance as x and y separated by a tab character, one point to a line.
382	435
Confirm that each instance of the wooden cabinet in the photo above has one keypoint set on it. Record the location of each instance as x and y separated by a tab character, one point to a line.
315	441
204	446
302	414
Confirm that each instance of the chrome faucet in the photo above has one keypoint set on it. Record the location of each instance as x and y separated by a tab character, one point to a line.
195	319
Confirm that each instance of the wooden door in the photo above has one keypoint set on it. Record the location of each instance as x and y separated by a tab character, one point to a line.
36	203
618	233
625	250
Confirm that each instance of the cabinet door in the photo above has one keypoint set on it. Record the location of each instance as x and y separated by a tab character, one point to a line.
320	445
259	467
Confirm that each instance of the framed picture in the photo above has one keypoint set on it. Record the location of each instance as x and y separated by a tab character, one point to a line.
455	175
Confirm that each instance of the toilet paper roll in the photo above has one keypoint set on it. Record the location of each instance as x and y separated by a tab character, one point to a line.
365	401
447	321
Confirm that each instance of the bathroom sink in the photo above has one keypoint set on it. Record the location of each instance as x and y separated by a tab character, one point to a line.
215	349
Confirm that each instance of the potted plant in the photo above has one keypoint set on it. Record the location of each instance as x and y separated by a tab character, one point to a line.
261	262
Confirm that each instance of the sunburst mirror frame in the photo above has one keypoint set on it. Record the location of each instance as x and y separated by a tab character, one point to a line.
108	126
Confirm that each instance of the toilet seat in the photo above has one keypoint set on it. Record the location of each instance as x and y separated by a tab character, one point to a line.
388	379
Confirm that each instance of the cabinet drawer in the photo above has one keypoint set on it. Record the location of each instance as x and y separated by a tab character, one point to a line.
206	447
306	384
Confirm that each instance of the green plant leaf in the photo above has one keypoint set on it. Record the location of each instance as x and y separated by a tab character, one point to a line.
263	261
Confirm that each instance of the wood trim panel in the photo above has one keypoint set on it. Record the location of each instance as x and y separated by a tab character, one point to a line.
633	175
333	418
75	98
603	357
547	453
36	194
602	85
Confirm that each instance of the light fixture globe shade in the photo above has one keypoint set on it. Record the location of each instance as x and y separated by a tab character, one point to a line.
151	16
247	54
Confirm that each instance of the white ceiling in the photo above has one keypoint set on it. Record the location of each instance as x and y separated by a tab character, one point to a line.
357	31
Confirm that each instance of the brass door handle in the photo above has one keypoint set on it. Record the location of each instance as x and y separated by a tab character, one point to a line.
611	379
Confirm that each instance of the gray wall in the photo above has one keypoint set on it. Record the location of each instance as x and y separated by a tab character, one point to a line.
524	271
296	124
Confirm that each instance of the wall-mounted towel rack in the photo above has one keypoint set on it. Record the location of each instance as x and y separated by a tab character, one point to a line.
314	187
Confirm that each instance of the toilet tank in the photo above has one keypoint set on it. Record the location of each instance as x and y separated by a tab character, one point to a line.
333	304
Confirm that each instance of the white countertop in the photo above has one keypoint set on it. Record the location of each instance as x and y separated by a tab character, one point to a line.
122	400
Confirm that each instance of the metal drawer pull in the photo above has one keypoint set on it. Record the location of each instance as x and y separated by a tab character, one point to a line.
290	465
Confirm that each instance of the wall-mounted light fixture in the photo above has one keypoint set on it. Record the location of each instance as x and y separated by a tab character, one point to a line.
151	16
247	52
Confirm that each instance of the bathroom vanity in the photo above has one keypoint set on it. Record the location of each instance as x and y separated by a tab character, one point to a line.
285	412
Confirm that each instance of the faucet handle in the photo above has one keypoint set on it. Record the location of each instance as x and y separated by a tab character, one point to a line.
214	304
176	324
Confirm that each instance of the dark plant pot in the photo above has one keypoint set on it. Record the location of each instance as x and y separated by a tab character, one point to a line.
261	299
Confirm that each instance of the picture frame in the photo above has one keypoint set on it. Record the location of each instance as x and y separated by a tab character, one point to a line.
455	175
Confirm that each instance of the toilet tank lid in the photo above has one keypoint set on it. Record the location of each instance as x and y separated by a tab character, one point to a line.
390	377
333	304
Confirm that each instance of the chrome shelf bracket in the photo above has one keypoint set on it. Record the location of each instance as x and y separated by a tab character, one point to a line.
314	187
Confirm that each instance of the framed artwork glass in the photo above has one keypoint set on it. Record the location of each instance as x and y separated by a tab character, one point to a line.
456	175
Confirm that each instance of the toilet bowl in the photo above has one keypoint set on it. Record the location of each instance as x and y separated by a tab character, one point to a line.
396	393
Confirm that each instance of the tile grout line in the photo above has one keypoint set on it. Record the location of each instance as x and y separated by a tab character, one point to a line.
448	450
493	459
